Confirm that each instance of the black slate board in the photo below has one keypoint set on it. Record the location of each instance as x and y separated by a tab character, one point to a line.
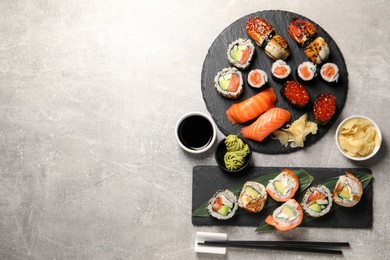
216	60
208	179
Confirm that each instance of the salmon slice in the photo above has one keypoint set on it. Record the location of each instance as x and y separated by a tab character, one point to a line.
234	83
245	55
251	107
266	124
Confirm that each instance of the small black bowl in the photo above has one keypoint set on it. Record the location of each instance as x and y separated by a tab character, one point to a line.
220	154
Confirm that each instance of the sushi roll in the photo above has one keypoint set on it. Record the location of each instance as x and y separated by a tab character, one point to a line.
284	186
223	205
228	83
295	94
280	70
252	196
288	216
324	108
348	190
306	71
317	201
240	53
257	78
318	51
330	73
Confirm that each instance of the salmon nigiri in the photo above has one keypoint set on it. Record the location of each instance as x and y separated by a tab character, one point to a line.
251	107
266	124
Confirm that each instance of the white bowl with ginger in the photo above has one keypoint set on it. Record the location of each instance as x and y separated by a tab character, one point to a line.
358	138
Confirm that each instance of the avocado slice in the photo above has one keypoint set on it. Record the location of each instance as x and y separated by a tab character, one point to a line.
224	81
235	53
279	187
287	210
224	210
251	192
345	192
315	207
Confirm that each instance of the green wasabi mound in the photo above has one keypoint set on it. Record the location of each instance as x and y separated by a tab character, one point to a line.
236	152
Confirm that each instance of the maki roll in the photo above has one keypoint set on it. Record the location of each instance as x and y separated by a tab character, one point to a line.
306	71
252	196
317	201
223	205
280	70
240	53
329	72
228	82
295	94
288	216
257	78
348	190
284	186
324	108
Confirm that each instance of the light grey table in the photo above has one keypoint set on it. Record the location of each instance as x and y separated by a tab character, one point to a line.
90	92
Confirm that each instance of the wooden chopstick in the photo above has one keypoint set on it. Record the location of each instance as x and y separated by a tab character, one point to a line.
297	247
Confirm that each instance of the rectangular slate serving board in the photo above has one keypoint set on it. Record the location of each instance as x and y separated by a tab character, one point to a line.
206	180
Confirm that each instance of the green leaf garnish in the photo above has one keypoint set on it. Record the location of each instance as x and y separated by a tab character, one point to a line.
305	179
365	178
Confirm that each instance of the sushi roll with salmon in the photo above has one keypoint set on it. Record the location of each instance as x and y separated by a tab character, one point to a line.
284	186
288	216
330	73
252	197
223	205
228	83
348	190
317	201
257	78
240	53
280	71
306	71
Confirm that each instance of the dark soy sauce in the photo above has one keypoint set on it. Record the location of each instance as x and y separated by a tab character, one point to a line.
195	132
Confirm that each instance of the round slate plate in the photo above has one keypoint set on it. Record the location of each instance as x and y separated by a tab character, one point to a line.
216	60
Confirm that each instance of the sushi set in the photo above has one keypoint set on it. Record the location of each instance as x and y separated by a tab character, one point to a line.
267	70
284	198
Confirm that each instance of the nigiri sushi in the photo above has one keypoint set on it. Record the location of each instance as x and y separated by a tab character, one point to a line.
266	124
251	107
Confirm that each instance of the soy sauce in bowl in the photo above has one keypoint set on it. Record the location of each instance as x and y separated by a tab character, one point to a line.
195	132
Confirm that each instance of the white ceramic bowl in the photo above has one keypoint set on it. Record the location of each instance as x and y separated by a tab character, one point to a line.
204	148
376	149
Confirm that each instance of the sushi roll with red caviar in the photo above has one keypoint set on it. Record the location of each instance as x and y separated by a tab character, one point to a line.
257	78
306	71
240	53
330	73
228	83
280	71
223	205
317	201
288	216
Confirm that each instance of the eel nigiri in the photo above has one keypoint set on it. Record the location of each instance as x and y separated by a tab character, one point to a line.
266	124
251	107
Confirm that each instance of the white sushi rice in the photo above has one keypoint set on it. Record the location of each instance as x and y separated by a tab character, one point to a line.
228	94
240	42
312	69
232	202
335	77
279	63
356	190
323	190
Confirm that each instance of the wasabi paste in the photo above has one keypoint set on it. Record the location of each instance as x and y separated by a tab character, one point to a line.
236	152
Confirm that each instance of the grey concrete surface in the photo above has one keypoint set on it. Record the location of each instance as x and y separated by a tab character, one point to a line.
90	92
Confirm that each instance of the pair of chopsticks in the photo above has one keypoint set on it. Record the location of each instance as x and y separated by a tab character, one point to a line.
297	246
